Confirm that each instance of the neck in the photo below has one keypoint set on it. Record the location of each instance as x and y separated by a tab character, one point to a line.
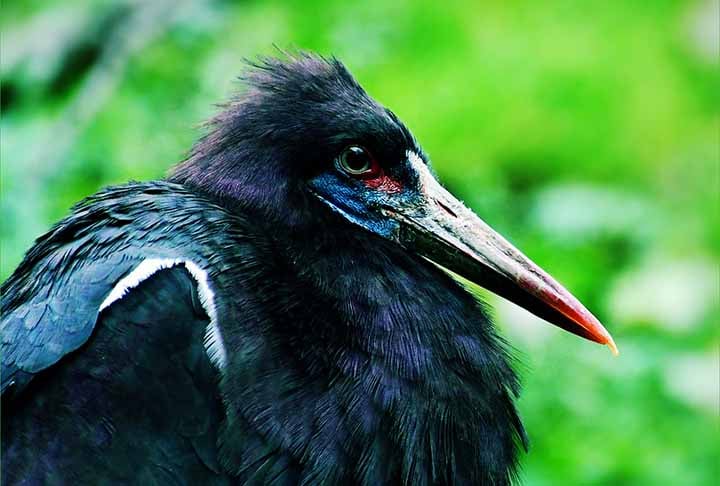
431	391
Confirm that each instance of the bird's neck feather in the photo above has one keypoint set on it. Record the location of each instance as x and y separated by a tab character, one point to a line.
386	345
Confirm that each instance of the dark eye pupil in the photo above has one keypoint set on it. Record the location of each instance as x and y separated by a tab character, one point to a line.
355	160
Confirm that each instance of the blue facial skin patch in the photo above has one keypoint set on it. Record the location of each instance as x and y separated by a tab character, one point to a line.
360	204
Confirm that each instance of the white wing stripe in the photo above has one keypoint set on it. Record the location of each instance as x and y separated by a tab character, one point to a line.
214	345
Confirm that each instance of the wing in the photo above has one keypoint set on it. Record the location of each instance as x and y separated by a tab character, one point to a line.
103	345
139	403
110	243
58	319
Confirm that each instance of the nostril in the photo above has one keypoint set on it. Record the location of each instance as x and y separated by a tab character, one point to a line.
446	208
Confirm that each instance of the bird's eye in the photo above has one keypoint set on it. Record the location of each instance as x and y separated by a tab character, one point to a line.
357	161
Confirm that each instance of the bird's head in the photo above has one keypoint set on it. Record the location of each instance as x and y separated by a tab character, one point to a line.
305	131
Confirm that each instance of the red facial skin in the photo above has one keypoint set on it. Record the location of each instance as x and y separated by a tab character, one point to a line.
376	179
385	184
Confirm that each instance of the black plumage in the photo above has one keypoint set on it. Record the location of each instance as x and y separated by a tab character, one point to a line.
277	327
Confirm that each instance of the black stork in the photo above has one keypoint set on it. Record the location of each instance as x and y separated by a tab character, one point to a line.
275	312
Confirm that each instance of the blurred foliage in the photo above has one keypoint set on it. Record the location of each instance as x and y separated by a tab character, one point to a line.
587	132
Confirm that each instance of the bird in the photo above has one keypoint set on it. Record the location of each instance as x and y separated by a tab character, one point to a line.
283	308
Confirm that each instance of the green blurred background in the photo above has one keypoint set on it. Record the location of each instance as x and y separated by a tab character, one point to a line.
586	132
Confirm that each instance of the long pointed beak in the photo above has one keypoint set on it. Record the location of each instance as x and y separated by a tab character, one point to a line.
442	229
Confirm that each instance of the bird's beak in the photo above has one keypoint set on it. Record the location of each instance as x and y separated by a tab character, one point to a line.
443	230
